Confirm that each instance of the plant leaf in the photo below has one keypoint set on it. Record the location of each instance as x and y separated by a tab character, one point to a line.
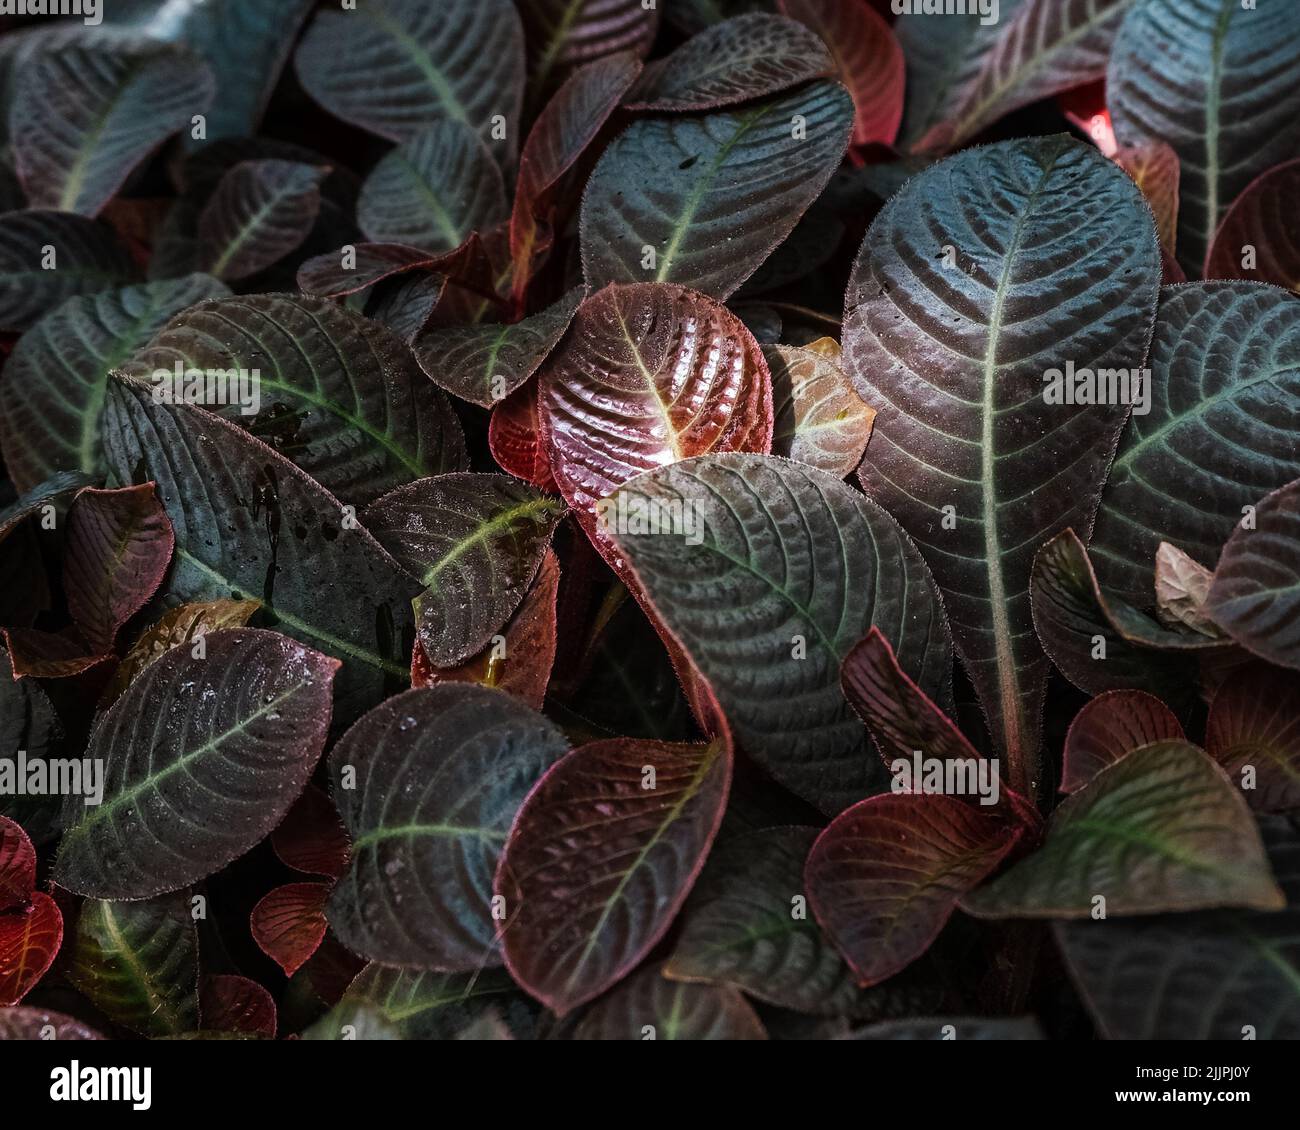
1255	595
741	927
1255	722
1108	728
1154	169
36	1023
1262	219
119	545
565	34
137	962
288	924
337	394
229	1003
868	58
394	66
474	542
885	876
788	570
515	440
28	722
260	211
1162	829
1055	258
333	587
710	196
105	107
649	1005
202	758
88	257
485	364
17	865
598	862
1223	90
433	190
1147	978
1225	409
818	418
1182	586
440	773
52	393
30	936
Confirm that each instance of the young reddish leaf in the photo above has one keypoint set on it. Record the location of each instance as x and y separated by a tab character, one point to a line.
202	758
1225	410
30	936
818	418
433	191
1109	727
17	865
260	211
701	200
1255	596
137	962
563	131
648	1005
119	547
1210	53
514	436
1182	587
337	394
438	775
311	838
393	66
600	858
229	1003
47	655
1254	726
184	624
520	660
288	924
565	34
649	374
740	927
337	274
474	542
749	57
1154	169
485	364
1259	237
886	875
868	58
106	106
41	1024
953	359
781	570
1162	829
52	393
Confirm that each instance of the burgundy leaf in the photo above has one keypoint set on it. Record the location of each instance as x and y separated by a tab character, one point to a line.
514	435
230	1003
17	865
311	838
1154	167
30	937
1254	725
1259	238
288	924
1111	725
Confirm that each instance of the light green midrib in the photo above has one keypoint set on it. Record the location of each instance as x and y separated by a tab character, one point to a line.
235	245
77	174
437	81
137	972
546	60
484	533
451	831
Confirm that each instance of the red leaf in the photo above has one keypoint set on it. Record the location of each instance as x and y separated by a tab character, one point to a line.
1255	721
17	865
884	878
29	938
288	924
311	837
1264	217
514	436
45	655
1155	169
1108	727
235	1004
119	546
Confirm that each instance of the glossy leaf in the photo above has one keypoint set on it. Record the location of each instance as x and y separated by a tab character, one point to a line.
395	66
885	876
433	190
1225	409
1162	829
474	542
1054	258
30	936
230	1003
565	34
744	925
1109	727
818	418
649	1006
1253	731
261	211
202	758
1223	90
118	549
105	107
781	571
1259	238
88	257
334	392
288	924
52	393
600	858
702	201
137	962
515	440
